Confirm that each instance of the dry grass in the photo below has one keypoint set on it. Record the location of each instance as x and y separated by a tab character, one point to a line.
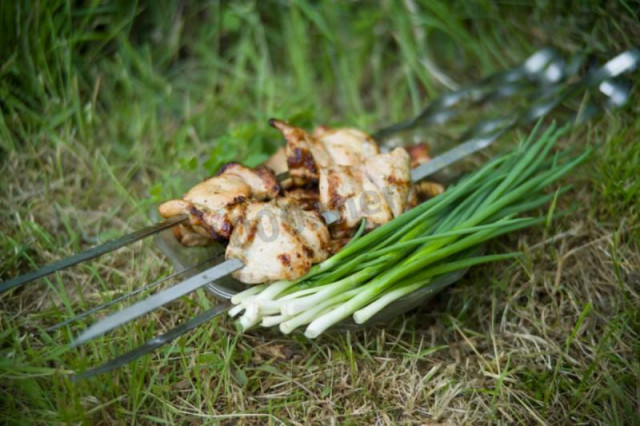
553	338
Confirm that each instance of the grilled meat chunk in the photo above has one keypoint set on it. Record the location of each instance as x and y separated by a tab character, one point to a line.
348	191
307	198
217	203
419	154
346	147
304	154
277	240
353	177
391	174
378	190
278	161
425	190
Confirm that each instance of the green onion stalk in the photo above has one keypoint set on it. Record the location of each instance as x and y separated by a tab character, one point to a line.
435	238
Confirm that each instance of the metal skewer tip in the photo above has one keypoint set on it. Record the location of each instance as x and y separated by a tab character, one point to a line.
157	300
93	252
153	343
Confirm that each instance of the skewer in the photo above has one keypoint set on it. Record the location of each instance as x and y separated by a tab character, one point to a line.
91	311
92	253
154	343
544	65
620	64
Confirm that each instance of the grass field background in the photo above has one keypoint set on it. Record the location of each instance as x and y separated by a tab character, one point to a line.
104	105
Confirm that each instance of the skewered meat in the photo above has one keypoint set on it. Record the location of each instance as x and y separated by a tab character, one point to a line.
217	203
378	190
425	190
391	174
307	198
277	240
304	154
277	231
278	161
346	147
353	177
342	189
419	154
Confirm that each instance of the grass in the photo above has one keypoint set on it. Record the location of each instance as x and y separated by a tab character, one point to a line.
103	106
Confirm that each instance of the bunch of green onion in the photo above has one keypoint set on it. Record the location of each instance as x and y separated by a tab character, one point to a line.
435	238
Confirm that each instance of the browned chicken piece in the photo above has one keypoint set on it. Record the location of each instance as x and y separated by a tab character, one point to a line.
377	191
307	198
352	176
277	240
278	161
261	180
216	204
391	174
304	154
346	147
419	154
343	147
337	244
348	191
425	190
189	237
